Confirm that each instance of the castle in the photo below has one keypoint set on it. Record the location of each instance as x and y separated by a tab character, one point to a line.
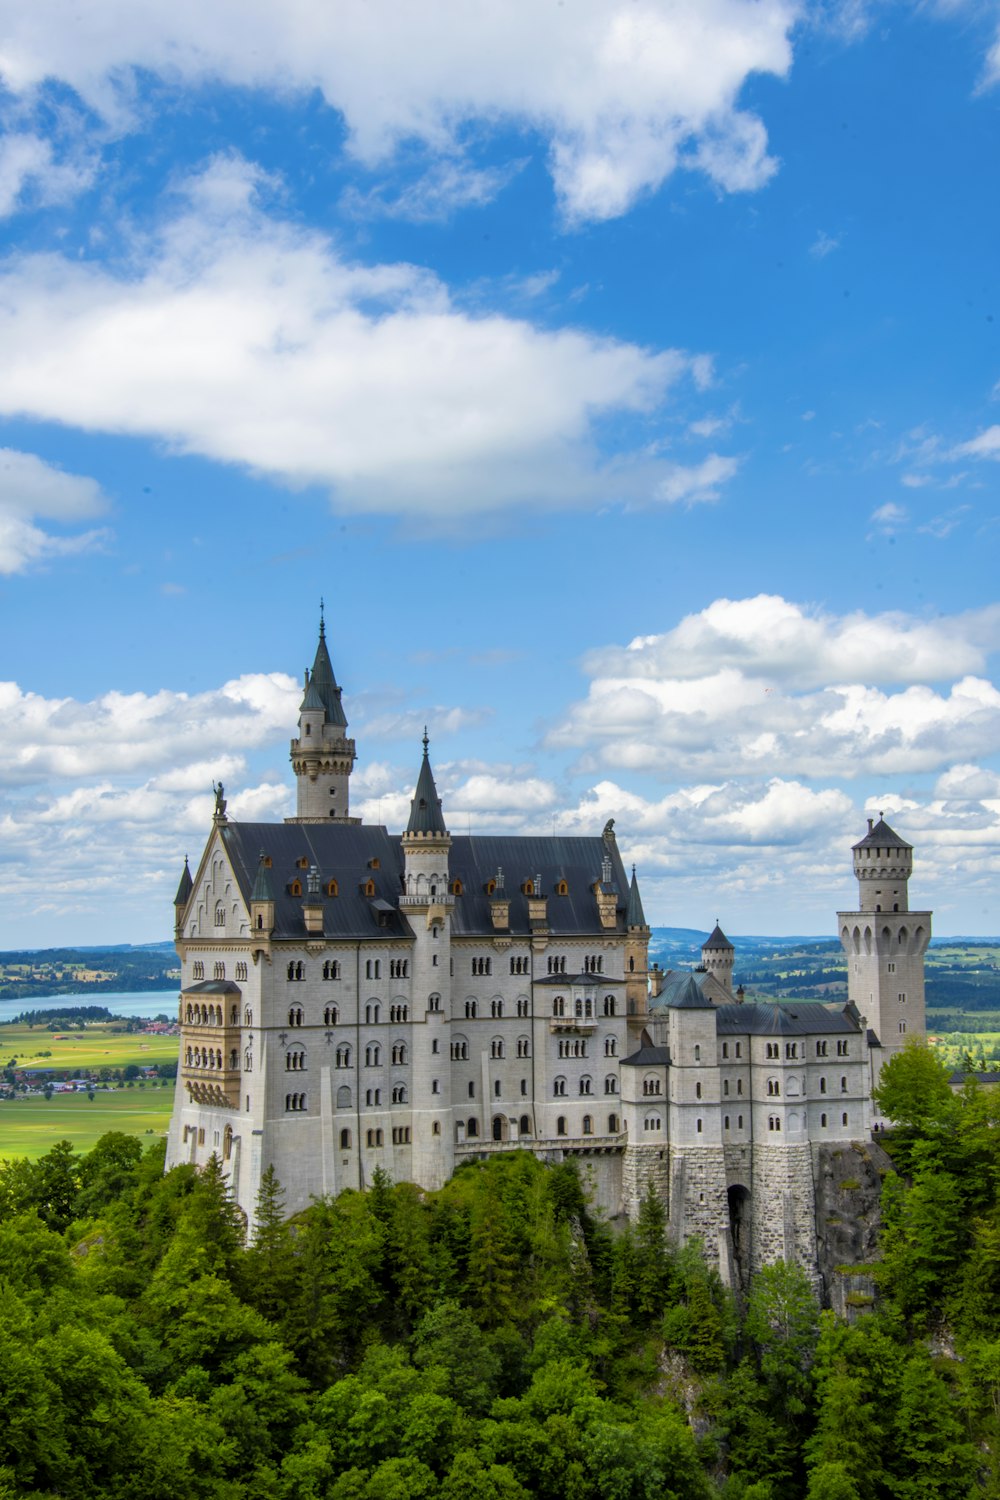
353	999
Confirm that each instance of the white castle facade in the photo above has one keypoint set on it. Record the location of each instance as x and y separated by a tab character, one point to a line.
353	999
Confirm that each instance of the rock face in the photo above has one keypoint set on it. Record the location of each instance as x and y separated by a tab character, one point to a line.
848	1183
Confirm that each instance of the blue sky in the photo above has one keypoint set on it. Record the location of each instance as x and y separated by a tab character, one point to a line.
624	376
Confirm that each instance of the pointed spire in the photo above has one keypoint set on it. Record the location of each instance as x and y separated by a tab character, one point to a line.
634	917
426	815
186	885
262	885
716	939
322	683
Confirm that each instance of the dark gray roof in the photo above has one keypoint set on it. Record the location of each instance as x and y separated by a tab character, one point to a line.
717	939
648	1057
212	987
881	836
312	699
426	815
682	992
963	1077
185	885
325	683
634	916
781	1020
873	1040
355	853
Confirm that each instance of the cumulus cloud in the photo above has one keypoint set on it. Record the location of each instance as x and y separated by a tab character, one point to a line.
30	172
622	93
32	491
246	339
128	733
764	686
889	518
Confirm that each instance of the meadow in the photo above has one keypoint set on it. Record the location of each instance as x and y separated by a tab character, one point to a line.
103	1044
30	1127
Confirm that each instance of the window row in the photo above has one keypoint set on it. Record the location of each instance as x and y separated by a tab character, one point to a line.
210	1015
210	1058
294	1103
585	1086
587	1125
296	971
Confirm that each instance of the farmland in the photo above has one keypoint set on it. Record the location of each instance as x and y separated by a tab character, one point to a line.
101	1044
31	1126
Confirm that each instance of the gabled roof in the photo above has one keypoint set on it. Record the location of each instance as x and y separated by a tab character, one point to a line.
353	854
717	939
426	814
212	987
881	836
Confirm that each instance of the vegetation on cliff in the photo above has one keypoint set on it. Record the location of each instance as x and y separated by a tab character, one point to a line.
491	1341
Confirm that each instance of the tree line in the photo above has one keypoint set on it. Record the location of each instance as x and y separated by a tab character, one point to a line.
494	1340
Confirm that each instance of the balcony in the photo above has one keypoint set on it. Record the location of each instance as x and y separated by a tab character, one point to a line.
572	1025
575	1145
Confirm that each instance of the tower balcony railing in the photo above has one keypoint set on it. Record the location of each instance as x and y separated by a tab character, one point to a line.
572	1143
578	1025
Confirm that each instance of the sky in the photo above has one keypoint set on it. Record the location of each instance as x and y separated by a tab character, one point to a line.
623	376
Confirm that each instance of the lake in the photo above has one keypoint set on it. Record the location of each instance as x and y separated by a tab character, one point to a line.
118	1002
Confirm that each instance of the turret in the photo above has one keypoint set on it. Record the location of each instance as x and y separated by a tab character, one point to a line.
184	889
636	953
883	864
718	956
322	755
262	907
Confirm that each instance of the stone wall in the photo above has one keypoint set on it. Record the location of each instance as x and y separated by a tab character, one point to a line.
784	1208
643	1167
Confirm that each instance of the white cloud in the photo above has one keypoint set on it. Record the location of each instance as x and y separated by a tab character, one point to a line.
31	491
623	93
248	340
889	518
823	245
985	445
442	190
30	172
126	734
762	686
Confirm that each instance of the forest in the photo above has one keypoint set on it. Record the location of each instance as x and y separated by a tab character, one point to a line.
494	1340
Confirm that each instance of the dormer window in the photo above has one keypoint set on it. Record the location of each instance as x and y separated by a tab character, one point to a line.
302	864
456	887
491	886
368	889
562	889
295	889
331	888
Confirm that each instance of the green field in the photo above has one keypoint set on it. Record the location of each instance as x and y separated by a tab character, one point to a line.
96	1047
30	1127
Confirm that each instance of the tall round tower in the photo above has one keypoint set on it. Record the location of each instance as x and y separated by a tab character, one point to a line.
322	754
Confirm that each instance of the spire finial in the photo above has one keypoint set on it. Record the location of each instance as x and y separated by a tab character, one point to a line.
322	621
426	740
633	870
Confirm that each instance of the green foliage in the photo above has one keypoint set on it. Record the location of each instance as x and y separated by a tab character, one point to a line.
914	1089
492	1341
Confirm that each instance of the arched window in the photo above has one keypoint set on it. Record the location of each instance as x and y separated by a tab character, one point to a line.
559	1006
331	1015
523	1047
588	1125
612	1124
586	1085
611	1084
496	1009
496	1047
345	1140
399	1093
822	1121
373	1055
331	969
610	1046
559	1087
843	1085
295	1015
522	1006
472	1128
697	1091
843	1119
399	1053
456	888
434	1003
561	1125
295	1060
220	914
471	1010
459	1049
651	1122
343	1056
343	1097
198	970
372	1012
610	1006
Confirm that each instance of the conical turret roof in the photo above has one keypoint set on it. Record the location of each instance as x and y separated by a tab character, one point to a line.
426	815
716	939
323	681
185	886
634	917
262	884
881	836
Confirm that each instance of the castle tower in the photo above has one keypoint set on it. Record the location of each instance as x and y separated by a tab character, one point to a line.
427	904
885	942
717	956
322	755
636	955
